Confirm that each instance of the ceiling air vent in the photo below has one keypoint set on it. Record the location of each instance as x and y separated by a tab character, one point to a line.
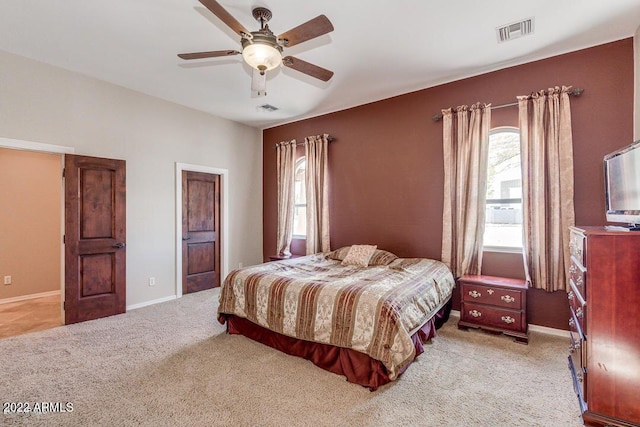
268	107
515	30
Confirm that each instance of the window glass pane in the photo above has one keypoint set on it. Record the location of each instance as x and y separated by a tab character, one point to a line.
300	221
300	199
300	193
503	223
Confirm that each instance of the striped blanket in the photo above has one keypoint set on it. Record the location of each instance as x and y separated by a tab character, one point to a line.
374	309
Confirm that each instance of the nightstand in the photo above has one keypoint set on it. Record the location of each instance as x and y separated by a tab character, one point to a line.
496	304
282	257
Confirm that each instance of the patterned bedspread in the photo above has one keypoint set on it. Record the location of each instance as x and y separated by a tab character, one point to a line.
374	309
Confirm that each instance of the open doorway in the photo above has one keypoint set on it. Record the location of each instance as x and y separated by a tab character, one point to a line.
94	214
31	250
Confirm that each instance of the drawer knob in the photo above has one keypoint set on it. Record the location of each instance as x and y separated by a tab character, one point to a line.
474	294
475	313
579	281
572	269
571	296
572	323
579	313
507	298
508	319
575	345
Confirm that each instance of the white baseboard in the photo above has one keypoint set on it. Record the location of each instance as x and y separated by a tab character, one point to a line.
53	293
28	297
152	302
532	328
549	331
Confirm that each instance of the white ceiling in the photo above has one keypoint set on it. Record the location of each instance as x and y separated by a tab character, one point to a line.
378	49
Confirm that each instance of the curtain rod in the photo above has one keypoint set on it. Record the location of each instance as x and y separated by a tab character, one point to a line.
329	138
575	92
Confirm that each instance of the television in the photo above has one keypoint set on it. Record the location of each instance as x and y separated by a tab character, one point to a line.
622	186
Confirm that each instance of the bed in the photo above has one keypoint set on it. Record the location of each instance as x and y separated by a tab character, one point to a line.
367	323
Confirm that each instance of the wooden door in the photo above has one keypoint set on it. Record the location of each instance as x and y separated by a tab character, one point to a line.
200	231
95	236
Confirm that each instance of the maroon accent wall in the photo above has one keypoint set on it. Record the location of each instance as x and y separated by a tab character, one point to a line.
387	170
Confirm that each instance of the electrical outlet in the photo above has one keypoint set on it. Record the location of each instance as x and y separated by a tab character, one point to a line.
7	280
152	281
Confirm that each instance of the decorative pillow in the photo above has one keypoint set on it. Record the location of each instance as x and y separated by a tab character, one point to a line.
402	263
339	254
359	255
381	257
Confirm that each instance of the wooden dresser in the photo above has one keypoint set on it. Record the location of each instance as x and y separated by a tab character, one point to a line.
604	350
495	304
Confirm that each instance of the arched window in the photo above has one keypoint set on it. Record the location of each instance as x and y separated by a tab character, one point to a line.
503	222
300	200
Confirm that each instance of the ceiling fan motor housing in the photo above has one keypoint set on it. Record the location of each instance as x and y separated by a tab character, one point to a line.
261	14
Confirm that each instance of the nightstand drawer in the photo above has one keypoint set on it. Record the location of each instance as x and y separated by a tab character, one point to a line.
508	298
492	316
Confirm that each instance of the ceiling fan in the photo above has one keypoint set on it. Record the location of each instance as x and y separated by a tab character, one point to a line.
262	50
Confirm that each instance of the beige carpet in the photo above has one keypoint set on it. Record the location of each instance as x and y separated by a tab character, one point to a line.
172	365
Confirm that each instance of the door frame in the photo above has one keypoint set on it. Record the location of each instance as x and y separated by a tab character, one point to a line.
18	144
224	218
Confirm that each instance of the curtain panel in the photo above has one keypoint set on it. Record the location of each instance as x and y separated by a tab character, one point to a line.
316	149
465	145
547	186
286	163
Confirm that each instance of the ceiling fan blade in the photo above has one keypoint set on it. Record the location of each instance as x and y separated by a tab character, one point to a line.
309	30
224	16
307	68
212	54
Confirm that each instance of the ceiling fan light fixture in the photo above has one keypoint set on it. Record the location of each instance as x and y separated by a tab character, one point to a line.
261	56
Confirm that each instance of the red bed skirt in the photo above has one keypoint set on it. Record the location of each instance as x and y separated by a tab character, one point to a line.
358	367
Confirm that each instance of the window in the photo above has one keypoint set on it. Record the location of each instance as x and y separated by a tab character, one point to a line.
503	221
300	200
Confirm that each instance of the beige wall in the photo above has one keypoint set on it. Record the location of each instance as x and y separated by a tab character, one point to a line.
30	191
46	104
